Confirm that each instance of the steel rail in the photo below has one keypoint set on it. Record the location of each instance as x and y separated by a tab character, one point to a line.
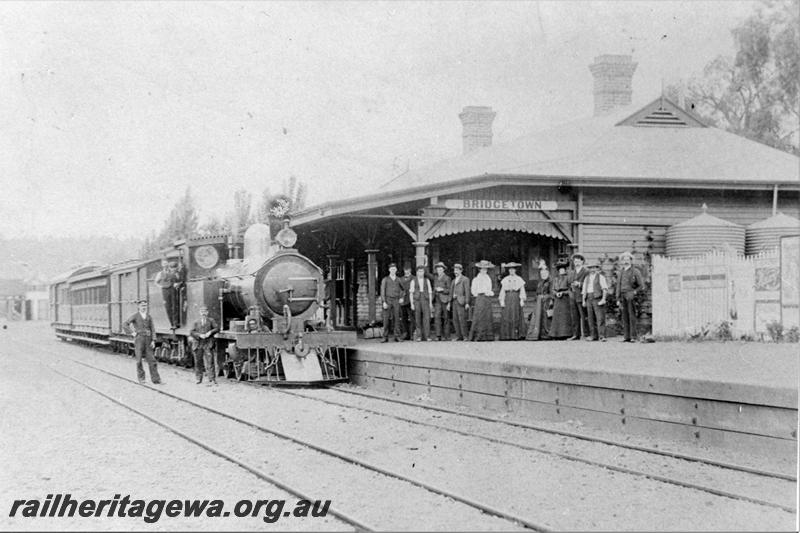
655	477
488	509
676	455
359	525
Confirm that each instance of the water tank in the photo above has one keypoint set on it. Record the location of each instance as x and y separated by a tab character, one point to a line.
766	234
702	234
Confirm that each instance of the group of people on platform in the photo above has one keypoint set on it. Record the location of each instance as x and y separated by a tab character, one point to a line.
569	305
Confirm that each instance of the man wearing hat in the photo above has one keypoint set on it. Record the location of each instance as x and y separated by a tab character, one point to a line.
442	284
420	295
406	314
629	283
392	293
166	279
140	325
576	278
203	333
459	301
595	292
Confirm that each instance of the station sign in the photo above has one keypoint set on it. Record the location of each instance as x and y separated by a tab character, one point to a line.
501	204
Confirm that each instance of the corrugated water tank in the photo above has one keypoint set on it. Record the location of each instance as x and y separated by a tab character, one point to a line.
702	234
765	234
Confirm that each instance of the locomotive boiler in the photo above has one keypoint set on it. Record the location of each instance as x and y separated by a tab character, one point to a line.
274	295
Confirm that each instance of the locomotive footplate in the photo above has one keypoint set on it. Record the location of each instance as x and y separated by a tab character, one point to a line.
306	358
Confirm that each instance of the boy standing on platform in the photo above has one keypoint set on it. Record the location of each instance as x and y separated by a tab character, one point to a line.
421	296
392	293
459	300
442	286
595	292
406	314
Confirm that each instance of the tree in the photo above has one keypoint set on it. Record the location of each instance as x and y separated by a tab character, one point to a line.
273	208
180	224
239	219
214	226
755	93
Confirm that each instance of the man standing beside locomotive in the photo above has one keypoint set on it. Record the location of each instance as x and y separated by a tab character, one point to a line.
442	285
203	332
140	325
630	281
392	293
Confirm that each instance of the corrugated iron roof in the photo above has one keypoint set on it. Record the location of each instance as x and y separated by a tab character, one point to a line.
473	220
598	147
778	221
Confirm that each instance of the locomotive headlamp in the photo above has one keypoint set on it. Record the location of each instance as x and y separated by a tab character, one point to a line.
286	237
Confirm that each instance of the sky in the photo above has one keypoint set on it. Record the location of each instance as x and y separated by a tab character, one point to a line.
110	110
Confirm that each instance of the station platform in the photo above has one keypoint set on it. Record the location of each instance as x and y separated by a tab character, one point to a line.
741	396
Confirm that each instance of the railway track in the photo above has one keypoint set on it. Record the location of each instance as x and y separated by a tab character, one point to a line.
511	517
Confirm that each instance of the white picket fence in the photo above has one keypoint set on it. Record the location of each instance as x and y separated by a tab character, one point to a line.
692	293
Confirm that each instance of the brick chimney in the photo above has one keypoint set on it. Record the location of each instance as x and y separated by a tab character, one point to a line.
612	82
477	122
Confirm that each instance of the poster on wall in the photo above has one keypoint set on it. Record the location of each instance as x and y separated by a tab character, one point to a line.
790	281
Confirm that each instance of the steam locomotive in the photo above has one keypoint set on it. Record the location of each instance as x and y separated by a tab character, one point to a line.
267	301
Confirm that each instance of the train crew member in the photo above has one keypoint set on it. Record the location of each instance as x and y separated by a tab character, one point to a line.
406	313
167	279
630	281
595	293
512	300
539	327
140	325
482	328
420	294
561	327
576	278
392	293
442	284
203	333
459	301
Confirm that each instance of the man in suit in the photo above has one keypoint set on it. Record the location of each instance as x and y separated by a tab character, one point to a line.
406	314
392	293
629	283
576	277
442	285
140	325
203	333
421	296
459	301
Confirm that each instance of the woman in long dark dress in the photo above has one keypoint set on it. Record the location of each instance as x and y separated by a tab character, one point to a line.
561	327
512	299
539	327
482	329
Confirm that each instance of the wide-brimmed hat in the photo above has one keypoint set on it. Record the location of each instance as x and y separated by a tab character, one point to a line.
562	263
595	263
512	264
458	266
439	264
483	263
626	254
578	256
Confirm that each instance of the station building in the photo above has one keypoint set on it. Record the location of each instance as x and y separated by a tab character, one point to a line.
606	184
